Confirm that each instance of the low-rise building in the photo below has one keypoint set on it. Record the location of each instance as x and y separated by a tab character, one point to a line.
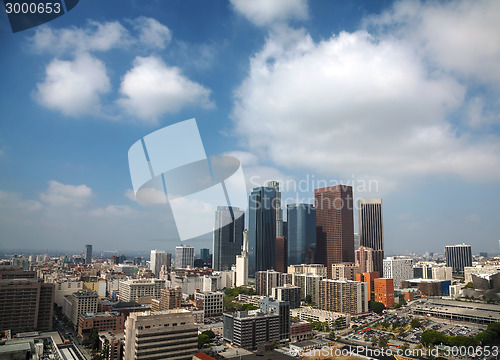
212	303
104	321
247	330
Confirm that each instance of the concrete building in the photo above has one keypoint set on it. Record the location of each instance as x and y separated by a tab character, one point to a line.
398	268
65	286
347	296
384	291
184	256
458	257
165	334
334	225
480	269
270	305
248	331
309	285
368	259
26	305
371	230
101	321
345	271
170	298
331	317
78	303
131	290
429	287
212	303
289	293
158	259
442	273
308	269
300	330
265	281
369	279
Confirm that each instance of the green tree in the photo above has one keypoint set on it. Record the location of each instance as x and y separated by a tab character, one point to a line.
308	299
432	337
495	327
486	337
209	333
469	286
382	343
415	323
376	307
202	340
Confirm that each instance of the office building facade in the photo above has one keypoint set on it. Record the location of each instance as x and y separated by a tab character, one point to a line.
160	258
458	257
384	291
169	334
248	331
301	223
131	290
227	237
88	254
345	271
281	254
279	211
261	230
269	305
184	256
334	225
288	293
398	268
371	231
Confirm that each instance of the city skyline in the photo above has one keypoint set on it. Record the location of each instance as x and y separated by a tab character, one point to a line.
396	99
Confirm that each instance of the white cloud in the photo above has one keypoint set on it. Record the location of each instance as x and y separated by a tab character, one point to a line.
458	36
94	36
152	88
114	211
74	87
13	201
152	33
59	194
265	12
355	105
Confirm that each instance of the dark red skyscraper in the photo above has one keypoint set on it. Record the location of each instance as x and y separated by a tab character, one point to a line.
281	254
334	225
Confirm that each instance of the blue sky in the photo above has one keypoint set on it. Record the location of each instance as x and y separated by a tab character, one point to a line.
402	95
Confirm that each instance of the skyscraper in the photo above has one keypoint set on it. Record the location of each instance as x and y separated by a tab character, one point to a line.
227	237
158	259
458	257
334	225
242	262
398	268
184	256
371	232
281	254
301	221
88	254
262	230
279	211
205	255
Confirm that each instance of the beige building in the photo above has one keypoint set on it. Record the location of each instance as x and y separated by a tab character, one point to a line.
66	286
479	269
345	271
169	299
78	303
212	303
345	296
165	334
308	269
132	289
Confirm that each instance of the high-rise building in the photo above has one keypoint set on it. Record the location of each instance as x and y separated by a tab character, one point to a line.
242	262
26	304
368	259
345	271
334	225
248	331
168	334
265	281
369	279
398	268
301	221
227	237
384	291
160	258
458	257
269	305
88	254
289	293
205	255
308	269
184	256
343	296
281	254
279	210
371	231
261	230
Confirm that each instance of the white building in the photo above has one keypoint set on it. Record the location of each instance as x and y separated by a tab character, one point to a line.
184	256
164	334
65	286
212	303
132	289
158	259
398	268
479	269
442	273
242	262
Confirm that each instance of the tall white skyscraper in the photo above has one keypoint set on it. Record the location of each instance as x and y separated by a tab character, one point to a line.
184	256
158	259
398	268
242	262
